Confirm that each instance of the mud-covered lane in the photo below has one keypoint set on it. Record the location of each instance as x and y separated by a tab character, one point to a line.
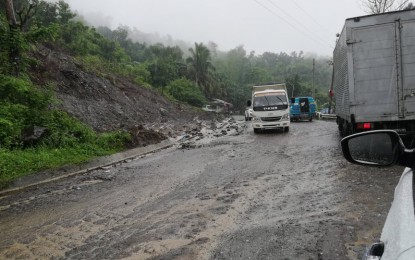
267	196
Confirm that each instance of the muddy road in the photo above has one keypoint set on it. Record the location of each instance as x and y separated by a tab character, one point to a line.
242	196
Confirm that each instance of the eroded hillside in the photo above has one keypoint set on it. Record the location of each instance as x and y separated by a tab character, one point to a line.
110	102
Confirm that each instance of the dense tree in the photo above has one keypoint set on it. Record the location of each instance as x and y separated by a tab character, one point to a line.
237	65
18	37
165	64
200	63
135	50
258	75
9	39
186	91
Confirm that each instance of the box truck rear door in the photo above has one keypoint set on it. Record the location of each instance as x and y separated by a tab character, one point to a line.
408	65
375	75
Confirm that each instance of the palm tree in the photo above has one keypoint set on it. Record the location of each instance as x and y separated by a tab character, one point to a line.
201	66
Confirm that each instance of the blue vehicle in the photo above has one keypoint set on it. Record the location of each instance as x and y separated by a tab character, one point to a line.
302	108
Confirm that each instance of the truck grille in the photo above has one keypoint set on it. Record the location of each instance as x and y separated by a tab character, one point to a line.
271	119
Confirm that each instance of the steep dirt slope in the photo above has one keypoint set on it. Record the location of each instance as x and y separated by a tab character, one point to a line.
110	102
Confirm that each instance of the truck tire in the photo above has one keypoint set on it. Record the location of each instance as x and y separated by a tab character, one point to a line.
286	129
342	128
342	124
310	119
350	129
346	129
256	130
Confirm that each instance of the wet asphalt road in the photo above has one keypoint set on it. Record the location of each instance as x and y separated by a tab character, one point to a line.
273	195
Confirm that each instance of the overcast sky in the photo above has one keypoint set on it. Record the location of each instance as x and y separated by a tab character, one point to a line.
258	25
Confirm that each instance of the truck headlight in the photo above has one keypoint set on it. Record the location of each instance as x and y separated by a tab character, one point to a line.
285	117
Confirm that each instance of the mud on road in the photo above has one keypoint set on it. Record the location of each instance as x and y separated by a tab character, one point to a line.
240	195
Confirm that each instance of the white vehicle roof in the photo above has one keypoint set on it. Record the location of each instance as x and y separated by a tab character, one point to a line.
270	91
274	87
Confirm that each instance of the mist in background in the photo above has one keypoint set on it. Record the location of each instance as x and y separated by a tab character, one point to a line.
258	25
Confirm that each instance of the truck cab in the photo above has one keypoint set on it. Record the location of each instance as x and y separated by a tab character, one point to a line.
270	107
302	108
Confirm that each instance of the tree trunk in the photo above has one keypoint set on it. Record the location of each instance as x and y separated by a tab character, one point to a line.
14	49
11	17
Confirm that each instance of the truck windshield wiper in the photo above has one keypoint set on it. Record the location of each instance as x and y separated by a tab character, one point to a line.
267	100
282	101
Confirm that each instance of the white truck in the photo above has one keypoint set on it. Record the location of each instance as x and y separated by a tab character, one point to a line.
374	73
270	107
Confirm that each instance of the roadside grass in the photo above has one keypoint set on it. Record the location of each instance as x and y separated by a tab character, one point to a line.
64	140
18	163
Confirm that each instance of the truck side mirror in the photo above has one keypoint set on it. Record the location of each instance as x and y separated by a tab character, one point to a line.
248	103
376	148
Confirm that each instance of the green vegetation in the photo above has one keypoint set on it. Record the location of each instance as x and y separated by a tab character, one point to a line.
18	163
64	140
33	136
192	75
186	91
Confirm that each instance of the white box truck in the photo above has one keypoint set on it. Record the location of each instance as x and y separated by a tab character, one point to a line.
270	107
374	73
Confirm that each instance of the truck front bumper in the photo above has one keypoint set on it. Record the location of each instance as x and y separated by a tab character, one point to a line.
271	125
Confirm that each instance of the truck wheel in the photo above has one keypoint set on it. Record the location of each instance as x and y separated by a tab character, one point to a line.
246	118
286	129
346	129
342	129
310	119
256	130
342	124
349	129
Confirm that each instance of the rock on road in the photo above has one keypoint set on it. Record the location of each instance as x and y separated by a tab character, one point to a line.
273	195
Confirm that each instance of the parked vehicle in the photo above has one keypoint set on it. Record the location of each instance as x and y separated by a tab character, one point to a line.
373	73
248	114
385	148
209	108
218	106
270	108
302	108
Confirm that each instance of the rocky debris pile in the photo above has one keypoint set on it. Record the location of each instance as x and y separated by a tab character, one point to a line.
33	135
142	136
197	137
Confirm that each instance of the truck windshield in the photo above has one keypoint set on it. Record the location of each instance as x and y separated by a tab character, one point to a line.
270	99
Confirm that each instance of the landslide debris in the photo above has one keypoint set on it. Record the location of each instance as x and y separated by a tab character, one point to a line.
108	102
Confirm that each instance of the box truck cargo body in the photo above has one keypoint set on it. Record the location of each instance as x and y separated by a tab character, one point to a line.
374	73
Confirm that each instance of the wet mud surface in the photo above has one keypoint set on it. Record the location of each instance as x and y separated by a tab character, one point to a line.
237	195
